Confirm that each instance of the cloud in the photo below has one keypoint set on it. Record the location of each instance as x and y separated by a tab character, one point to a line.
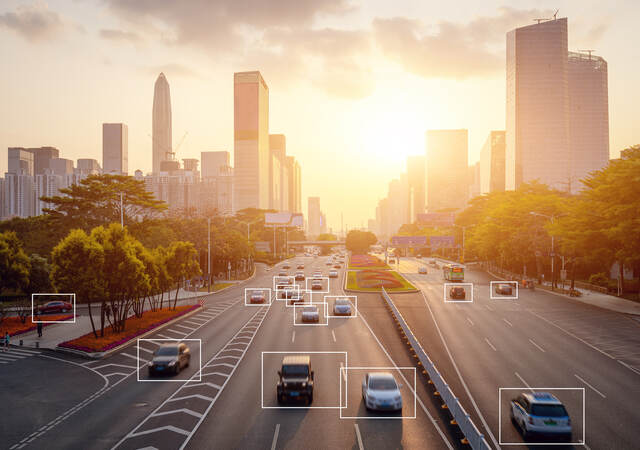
120	36
448	49
33	22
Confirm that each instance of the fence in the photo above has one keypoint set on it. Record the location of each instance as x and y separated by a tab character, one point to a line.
460	415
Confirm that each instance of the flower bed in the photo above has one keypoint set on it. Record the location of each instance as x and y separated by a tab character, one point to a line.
366	262
134	327
375	280
14	326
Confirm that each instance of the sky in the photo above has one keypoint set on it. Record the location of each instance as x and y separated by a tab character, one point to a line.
354	85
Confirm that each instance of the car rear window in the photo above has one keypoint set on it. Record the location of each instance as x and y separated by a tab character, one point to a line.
548	410
382	384
295	370
167	351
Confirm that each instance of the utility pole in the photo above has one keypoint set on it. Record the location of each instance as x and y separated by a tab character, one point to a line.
209	254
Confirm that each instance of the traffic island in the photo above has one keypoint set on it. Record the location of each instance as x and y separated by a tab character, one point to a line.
14	325
367	262
375	280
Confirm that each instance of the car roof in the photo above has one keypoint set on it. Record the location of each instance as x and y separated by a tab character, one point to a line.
311	308
381	376
541	398
297	359
169	345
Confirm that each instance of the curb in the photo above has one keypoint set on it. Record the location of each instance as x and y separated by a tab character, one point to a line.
100	355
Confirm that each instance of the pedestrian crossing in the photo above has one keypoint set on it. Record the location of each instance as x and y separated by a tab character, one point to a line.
15	354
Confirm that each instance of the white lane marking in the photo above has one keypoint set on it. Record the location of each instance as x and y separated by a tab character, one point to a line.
539	348
358	436
293	336
131	356
524	382
470	321
490	344
508	323
182	326
464	384
488	307
572	335
274	442
343	372
166	337
182	333
144	349
333	335
628	366
596	391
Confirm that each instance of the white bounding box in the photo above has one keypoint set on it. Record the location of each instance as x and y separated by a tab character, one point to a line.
354	304
449	285
71	297
250	291
503	297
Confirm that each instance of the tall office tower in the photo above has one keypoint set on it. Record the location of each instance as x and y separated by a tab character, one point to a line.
589	116
87	166
251	141
212	162
314	215
473	176
537	116
399	204
446	169
47	184
161	122
18	194
416	176
294	179
492	163
115	148
20	161
278	173
41	158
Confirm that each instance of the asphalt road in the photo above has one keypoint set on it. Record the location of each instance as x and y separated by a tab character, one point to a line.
584	355
226	396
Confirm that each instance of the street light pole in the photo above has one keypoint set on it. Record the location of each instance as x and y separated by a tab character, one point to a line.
209	254
553	254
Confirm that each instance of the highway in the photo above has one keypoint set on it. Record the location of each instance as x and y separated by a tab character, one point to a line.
229	402
589	356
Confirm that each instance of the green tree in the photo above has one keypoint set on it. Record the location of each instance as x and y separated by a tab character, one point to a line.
182	264
360	241
14	263
327	237
39	281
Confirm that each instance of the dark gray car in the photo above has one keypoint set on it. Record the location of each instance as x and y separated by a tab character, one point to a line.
169	359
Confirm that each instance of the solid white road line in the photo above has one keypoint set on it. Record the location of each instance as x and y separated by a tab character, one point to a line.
508	323
293	336
628	366
333	335
490	344
595	390
539	348
488	307
524	382
275	437
358	436
470	321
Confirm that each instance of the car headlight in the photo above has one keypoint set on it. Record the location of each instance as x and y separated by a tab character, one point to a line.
304	384
172	363
150	363
284	384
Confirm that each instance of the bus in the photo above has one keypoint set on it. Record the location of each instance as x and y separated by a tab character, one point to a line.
453	272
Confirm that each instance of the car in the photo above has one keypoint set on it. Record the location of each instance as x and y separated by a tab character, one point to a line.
316	285
333	273
432	262
257	297
504	289
299	276
381	392
296	379
317	274
169	359
296	297
310	314
286	266
422	269
55	307
457	292
392	260
300	266
342	307
283	280
542	414
283	273
329	263
337	266
287	292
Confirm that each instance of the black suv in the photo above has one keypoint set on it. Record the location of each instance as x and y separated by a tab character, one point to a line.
457	292
296	379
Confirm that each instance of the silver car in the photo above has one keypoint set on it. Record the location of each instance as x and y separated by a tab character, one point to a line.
381	392
342	307
310	314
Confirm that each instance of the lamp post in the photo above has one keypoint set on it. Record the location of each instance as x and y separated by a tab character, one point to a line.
553	255
209	254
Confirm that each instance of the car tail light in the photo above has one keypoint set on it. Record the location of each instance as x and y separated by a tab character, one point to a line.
531	420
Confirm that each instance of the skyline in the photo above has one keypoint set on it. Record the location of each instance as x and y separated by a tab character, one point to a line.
345	130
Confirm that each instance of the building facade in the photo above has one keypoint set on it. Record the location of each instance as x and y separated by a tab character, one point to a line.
446	169
115	148
314	217
492	164
416	179
161	123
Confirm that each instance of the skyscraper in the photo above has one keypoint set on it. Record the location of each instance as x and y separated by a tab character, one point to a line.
251	141
294	178
314	216
589	116
416	177
161	122
20	161
115	148
492	163
213	163
537	116
278	173
447	169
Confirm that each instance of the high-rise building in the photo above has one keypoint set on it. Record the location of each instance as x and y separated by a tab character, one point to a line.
86	167
294	178
446	169
115	148
161	123
416	177
251	141
399	204
473	176
492	163
42	156
213	163
589	116
61	166
47	184
20	161
537	116
278	173
314	215
18	194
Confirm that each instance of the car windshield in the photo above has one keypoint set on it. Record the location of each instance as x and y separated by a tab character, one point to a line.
548	410
167	351
310	309
382	384
295	370
257	293
342	302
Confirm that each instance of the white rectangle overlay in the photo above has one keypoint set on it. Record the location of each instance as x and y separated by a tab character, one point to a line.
448	285
73	302
502	297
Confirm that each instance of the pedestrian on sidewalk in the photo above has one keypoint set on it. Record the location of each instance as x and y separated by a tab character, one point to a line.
39	326
6	339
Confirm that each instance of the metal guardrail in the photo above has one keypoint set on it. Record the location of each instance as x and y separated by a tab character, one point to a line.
460	415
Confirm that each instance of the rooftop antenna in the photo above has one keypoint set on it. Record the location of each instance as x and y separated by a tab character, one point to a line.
555	14
544	19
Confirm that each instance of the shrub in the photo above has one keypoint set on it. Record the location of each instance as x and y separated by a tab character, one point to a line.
599	279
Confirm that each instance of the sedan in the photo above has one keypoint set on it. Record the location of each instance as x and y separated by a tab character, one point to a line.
55	307
333	273
310	314
316	285
504	289
295	298
283	273
169	359
457	292
422	270
299	276
286	266
300	266
257	297
381	392
342	307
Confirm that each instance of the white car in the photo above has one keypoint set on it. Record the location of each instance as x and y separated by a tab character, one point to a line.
422	269
381	392
310	314
333	273
316	285
342	307
540	413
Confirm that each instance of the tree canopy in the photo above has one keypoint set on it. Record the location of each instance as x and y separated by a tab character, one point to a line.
360	241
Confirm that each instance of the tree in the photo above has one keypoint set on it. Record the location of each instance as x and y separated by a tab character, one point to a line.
39	281
327	237
14	263
360	241
182	264
95	201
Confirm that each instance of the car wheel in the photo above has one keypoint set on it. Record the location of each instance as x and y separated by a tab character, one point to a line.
310	398
525	433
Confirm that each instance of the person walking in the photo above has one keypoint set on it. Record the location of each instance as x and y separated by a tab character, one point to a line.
39	326
6	339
